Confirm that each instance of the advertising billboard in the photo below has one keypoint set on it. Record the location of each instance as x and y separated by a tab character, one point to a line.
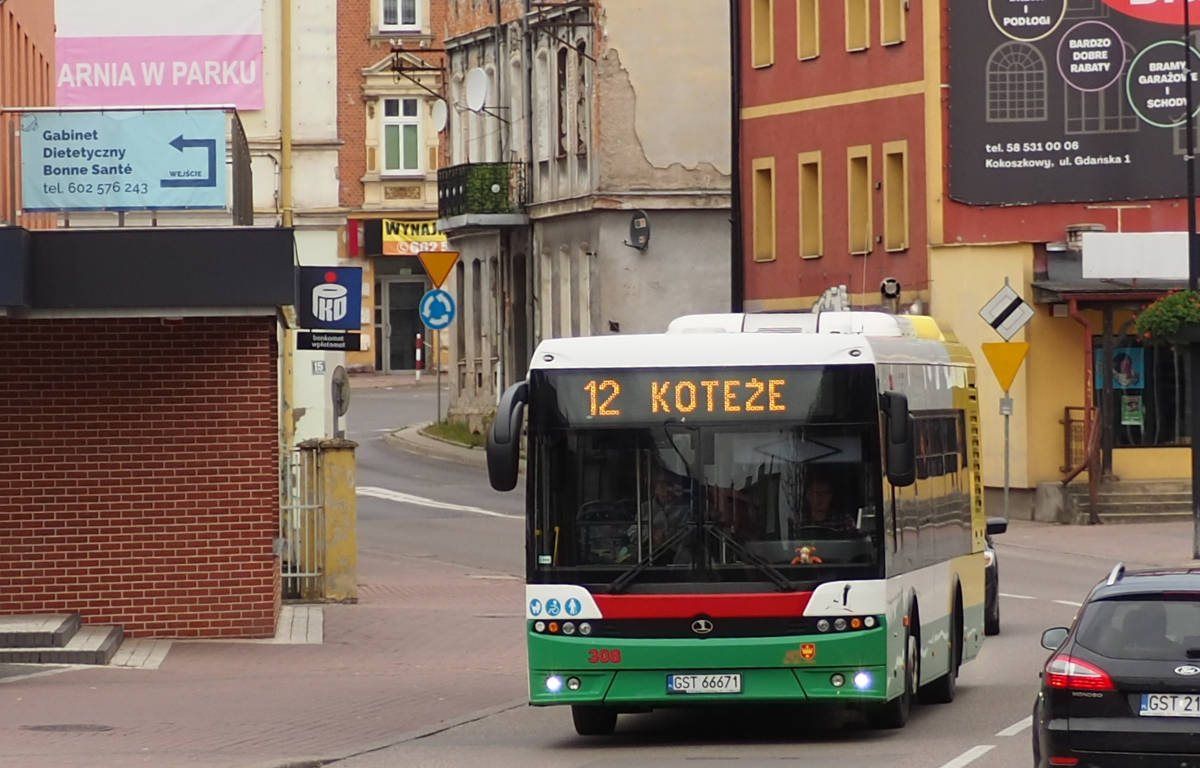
81	161
156	53
1069	100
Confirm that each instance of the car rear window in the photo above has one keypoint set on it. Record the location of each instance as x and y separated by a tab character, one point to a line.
1145	628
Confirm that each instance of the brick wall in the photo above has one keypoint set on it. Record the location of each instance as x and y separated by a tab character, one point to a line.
139	469
356	51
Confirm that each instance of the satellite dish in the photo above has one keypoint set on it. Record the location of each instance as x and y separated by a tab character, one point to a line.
477	89
441	115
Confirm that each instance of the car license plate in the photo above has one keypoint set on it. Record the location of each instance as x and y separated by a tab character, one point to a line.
704	683
1170	705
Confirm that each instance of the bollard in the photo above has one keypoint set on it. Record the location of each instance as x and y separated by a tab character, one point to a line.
420	354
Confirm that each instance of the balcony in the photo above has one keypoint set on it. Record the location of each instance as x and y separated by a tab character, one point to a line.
482	195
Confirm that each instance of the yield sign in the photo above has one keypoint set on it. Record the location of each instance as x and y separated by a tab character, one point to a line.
1006	358
438	265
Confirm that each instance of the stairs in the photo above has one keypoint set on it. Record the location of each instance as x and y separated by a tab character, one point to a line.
1140	501
56	639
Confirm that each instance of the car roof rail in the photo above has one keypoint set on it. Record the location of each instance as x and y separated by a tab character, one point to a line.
1117	572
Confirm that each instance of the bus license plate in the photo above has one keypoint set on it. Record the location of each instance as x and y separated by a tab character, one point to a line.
704	683
1170	705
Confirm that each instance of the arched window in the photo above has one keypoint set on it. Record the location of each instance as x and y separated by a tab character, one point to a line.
1016	84
583	107
560	147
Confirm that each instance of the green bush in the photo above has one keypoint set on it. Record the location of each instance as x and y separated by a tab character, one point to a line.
457	432
1161	321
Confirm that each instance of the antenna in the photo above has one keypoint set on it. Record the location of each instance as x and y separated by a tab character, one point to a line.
441	115
477	89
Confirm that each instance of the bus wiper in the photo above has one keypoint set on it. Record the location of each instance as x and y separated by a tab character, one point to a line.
768	570
620	583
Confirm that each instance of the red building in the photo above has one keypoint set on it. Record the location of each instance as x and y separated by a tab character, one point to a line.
952	150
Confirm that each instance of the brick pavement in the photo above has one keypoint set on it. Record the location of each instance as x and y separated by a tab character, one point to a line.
427	642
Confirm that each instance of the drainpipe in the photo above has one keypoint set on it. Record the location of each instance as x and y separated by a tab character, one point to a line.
737	276
1089	431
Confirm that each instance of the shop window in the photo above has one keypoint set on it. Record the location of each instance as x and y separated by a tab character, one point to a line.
895	195
762	32
808	29
1149	394
858	25
764	209
812	235
859	203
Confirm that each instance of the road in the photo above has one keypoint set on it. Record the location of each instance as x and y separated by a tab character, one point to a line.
986	727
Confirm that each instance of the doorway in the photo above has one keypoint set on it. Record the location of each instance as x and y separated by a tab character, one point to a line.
401	323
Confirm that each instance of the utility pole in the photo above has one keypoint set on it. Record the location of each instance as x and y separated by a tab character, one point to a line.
1193	278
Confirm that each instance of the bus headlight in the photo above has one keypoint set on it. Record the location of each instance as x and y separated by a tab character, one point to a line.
823	625
554	683
573	683
869	622
568	628
585	629
539	626
862	681
839	624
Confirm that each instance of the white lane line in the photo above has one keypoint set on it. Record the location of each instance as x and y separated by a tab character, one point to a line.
972	754
1071	603
408	498
1017	727
1018	597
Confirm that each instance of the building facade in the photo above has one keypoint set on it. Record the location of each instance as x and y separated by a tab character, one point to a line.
389	78
26	80
869	151
589	187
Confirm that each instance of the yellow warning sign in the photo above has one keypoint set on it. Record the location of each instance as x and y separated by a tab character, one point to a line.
1006	358
438	265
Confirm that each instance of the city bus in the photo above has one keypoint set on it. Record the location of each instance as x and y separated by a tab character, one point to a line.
749	508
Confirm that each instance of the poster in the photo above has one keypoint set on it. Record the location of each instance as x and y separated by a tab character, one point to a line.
1069	100
1128	369
155	53
1132	413
411	238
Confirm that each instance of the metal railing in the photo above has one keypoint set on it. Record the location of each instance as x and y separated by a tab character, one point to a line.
482	189
1074	423
301	523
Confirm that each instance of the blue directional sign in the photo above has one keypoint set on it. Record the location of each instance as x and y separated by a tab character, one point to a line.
87	161
438	310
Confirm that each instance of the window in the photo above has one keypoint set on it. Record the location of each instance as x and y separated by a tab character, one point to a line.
1149	393
859	187
563	79
941	447
401	136
858	25
582	107
891	21
762	32
812	240
808	29
399	14
895	195
764	209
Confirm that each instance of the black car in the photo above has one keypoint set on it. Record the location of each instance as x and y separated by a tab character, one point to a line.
1123	685
991	572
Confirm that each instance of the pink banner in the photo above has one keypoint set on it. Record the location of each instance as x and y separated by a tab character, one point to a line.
158	71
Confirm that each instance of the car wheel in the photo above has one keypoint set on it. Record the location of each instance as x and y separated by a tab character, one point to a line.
594	721
894	714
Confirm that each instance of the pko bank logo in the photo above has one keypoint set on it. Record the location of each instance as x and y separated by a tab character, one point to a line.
330	298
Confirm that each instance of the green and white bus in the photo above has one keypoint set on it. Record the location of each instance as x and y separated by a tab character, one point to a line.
749	508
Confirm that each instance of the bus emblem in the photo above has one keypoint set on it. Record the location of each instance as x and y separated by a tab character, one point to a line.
702	626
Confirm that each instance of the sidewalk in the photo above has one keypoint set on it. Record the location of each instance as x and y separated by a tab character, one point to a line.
386	380
427	642
1142	544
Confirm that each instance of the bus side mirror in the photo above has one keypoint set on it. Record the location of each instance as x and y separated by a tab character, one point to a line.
504	439
901	453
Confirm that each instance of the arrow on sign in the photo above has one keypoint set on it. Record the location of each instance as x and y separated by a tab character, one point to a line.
181	144
1005	358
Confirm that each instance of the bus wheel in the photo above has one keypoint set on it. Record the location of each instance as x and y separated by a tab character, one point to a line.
894	714
594	721
942	690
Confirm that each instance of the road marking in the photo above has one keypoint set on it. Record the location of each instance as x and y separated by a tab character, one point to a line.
419	501
970	755
1017	727
1071	603
1018	597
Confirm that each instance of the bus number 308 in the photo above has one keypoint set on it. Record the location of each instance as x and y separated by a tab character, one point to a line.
604	656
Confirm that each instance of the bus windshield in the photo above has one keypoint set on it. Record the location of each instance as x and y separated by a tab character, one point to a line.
641	500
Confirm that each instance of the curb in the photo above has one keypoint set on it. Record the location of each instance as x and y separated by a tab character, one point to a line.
410	439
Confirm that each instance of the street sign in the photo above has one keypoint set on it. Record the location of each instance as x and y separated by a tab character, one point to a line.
438	309
1006	358
330	298
340	389
1007	312
328	341
92	161
438	265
